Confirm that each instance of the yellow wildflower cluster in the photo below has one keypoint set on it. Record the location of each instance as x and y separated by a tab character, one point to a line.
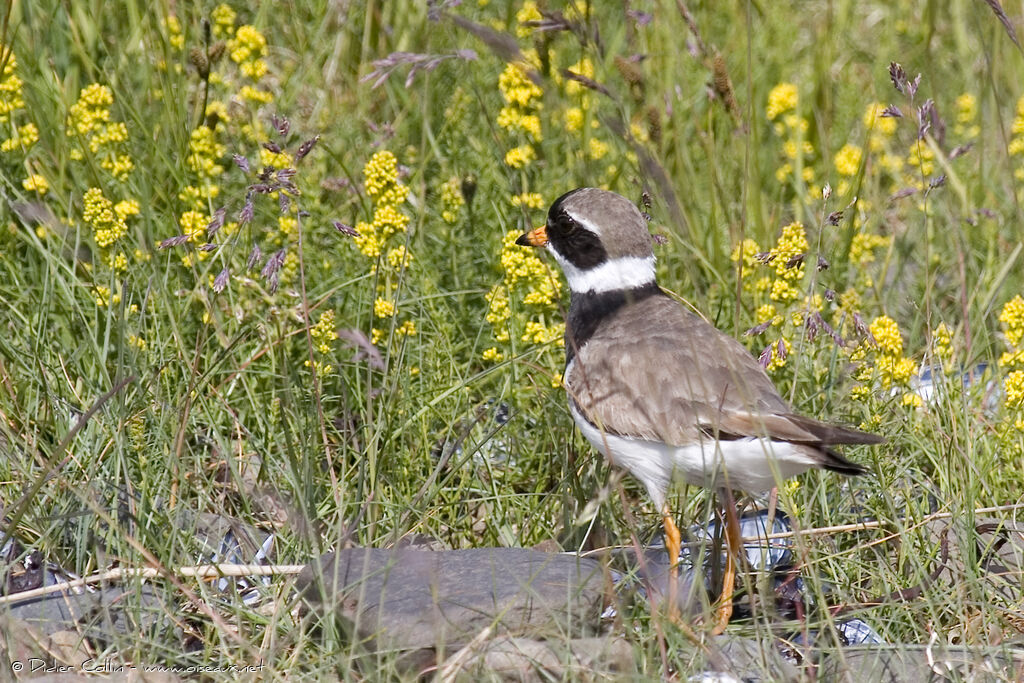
1011	430
388	194
452	200
783	98
1012	319
378	240
104	298
965	124
324	334
383	308
921	157
106	219
783	102
520	115
528	12
1016	146
247	49
942	344
22	135
1013	386
10	86
175	36
847	160
223	19
745	254
89	121
204	155
527	278
879	130
529	200
787	257
35	183
11	102
878	126
891	368
864	245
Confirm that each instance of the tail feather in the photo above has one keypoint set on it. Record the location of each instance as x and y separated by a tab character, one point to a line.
832	434
837	463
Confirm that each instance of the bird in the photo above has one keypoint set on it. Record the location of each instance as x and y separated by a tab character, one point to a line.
657	389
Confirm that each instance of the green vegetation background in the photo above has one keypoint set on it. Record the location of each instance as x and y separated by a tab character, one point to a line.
181	183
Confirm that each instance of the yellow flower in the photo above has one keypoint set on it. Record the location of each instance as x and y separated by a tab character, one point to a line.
324	332
574	118
492	355
1013	387
399	258
966	108
597	149
783	98
764	313
247	45
98	213
91	111
126	208
847	160
887	335
23	138
193	224
35	183
223	20
452	200
792	245
204	153
176	37
256	95
383	308
517	157
10	86
380	172
517	88
531	200
584	68
528	12
922	156
942	342
782	291
876	123
1012	318
406	329
912	400
863	247
745	254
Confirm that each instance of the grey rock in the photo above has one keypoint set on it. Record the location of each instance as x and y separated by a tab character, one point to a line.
748	659
102	614
525	659
913	663
436	602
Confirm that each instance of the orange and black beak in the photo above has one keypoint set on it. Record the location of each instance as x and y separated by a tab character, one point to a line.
537	237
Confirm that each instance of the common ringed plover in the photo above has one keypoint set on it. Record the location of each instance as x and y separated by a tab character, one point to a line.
657	389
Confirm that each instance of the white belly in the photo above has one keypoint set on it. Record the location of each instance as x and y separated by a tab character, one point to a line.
751	464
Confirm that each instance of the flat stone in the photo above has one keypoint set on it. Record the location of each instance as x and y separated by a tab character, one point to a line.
912	663
406	599
527	660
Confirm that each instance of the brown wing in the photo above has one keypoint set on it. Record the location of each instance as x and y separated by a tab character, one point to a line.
654	370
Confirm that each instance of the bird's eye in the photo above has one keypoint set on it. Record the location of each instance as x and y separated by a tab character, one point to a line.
566	224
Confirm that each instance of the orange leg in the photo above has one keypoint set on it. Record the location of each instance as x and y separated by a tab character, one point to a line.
673	543
733	545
